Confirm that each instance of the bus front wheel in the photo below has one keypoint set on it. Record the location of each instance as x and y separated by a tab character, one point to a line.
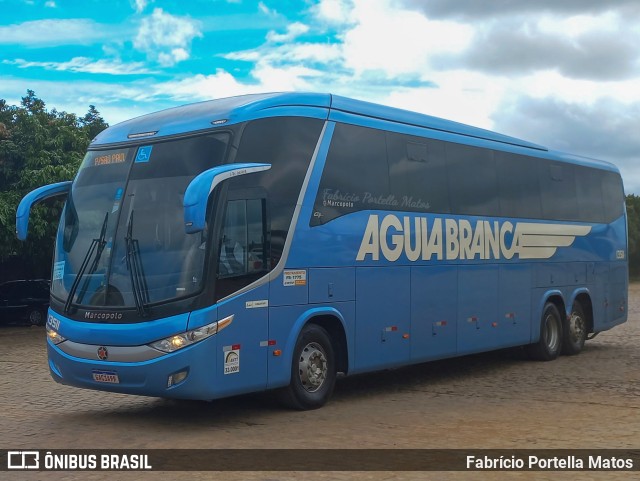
313	370
550	343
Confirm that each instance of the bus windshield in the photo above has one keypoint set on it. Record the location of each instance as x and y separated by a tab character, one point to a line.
121	240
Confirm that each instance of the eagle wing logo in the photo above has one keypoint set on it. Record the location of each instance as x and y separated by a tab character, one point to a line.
541	241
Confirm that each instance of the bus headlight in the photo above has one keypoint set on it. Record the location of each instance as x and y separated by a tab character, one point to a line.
53	336
178	341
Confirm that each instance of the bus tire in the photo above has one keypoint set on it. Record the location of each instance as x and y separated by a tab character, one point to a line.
549	345
575	331
313	370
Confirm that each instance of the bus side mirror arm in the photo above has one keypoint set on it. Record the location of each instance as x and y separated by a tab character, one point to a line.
196	197
33	197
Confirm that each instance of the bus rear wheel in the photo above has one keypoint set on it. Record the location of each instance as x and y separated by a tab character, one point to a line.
313	370
575	331
550	343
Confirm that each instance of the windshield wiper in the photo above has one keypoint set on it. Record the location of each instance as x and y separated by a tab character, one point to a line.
97	245
136	271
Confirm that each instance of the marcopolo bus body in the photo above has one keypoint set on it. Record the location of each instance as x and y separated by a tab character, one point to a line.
272	241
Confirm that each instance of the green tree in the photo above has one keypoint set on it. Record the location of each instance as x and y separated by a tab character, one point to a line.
38	147
633	219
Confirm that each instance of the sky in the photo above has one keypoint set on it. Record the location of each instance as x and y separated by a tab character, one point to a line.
561	73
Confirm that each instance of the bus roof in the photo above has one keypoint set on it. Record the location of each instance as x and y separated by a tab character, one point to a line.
205	115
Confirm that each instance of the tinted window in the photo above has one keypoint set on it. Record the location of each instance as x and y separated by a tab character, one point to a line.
519	191
473	183
589	190
612	196
418	173
356	174
558	191
287	143
243	245
179	158
426	175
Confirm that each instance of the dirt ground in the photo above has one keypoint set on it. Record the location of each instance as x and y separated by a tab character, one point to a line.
495	400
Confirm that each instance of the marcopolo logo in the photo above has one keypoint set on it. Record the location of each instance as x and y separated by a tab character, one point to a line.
103	316
420	238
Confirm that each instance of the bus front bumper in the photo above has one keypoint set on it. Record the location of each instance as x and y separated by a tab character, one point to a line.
184	374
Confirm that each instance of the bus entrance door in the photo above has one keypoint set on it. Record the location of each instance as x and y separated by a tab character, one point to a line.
242	351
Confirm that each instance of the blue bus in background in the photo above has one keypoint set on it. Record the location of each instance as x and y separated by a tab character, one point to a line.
275	240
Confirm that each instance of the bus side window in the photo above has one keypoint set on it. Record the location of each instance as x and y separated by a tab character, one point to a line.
243	253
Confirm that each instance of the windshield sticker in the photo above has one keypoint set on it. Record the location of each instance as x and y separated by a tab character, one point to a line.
58	270
295	278
144	153
109	159
116	202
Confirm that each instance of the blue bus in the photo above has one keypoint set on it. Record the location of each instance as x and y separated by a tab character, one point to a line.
273	241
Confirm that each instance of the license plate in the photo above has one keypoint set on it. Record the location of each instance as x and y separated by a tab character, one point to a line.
106	376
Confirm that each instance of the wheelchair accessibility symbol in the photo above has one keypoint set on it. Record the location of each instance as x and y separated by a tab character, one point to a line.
144	154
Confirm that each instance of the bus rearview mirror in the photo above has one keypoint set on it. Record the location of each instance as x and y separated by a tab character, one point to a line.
33	197
199	189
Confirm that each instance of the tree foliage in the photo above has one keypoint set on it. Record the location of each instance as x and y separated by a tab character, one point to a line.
633	216
38	147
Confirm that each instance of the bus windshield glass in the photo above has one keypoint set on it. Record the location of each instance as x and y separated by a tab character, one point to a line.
121	240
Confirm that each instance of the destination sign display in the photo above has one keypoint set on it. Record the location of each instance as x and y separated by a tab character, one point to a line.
111	158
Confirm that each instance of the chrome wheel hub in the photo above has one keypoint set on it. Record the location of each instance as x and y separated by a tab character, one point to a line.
313	367
576	327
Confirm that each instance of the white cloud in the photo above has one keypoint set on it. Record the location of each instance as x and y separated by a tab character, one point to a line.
50	32
293	30
335	12
266	10
462	96
204	87
287	54
50	4
166	38
140	5
223	84
292	78
398	42
86	65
